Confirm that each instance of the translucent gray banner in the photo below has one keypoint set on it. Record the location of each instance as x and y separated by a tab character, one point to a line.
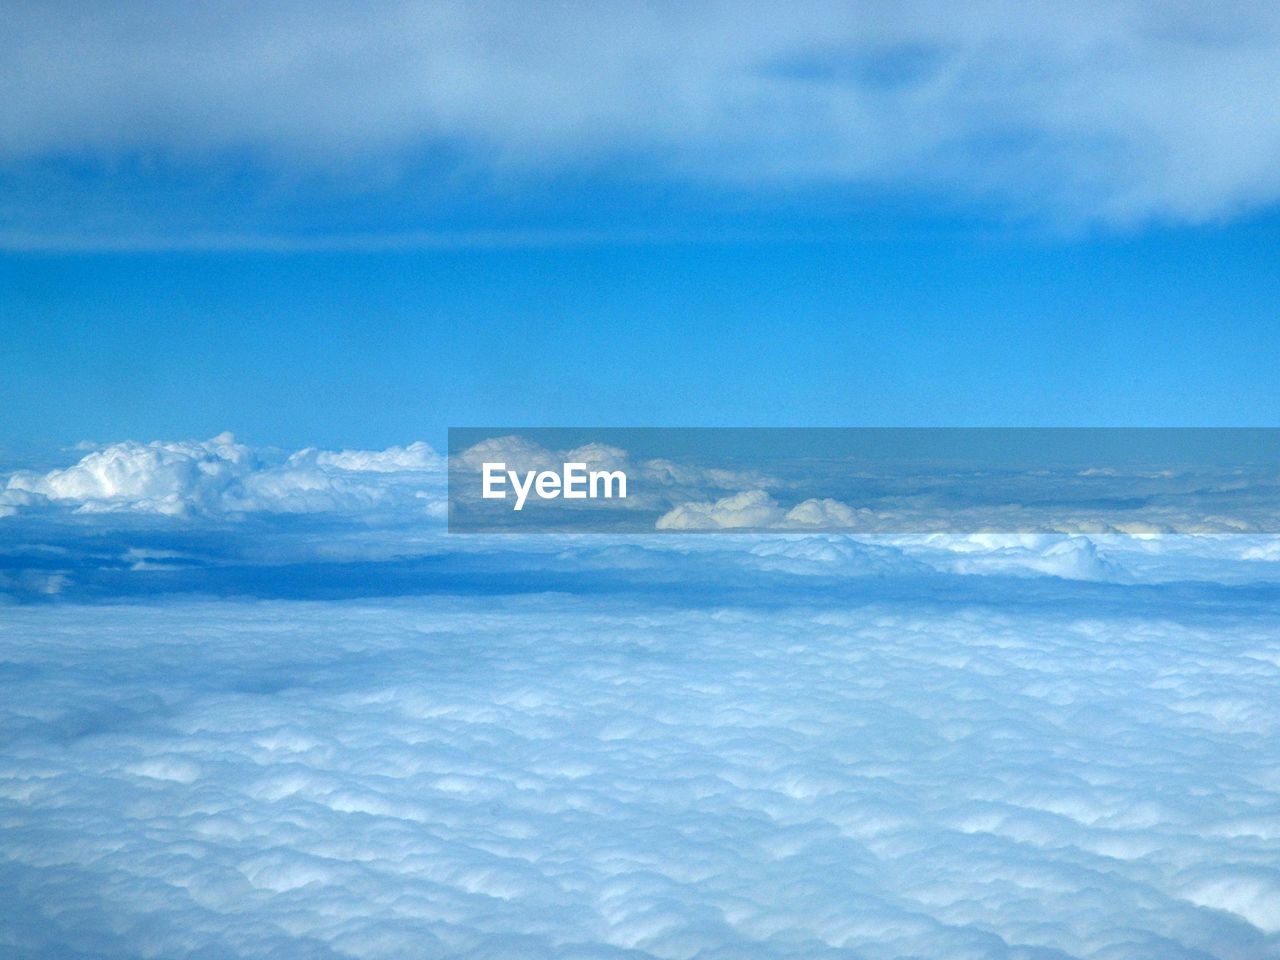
863	480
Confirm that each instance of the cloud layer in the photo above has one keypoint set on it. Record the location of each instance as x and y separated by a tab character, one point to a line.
561	776
216	516
1115	112
260	705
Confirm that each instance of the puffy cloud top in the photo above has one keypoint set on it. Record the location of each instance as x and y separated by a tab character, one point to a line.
222	476
1038	772
416	456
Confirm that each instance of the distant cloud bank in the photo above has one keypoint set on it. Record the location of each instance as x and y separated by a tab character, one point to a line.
259	704
221	476
220	516
1118	113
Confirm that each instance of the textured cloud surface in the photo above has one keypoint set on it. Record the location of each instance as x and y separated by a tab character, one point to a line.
257	706
561	776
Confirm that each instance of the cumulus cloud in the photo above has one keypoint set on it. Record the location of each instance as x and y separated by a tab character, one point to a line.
220	476
1115	112
522	454
1040	771
824	512
756	509
158	477
914	500
1057	555
517	452
751	509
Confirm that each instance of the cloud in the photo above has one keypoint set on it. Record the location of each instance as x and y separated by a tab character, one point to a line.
1039	769
522	454
217	516
416	456
834	555
753	509
517	452
1056	555
1111	112
791	745
1070	557
688	476
160	477
918	499
655	484
824	512
757	509
221	476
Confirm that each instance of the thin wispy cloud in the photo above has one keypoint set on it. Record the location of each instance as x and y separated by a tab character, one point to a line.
1099	113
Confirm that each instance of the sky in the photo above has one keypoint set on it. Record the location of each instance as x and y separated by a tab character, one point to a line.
312	226
257	700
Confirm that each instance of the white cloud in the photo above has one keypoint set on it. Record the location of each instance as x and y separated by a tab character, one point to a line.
790	745
753	509
416	456
518	453
598	456
1073	558
833	555
1063	774
757	509
824	512
522	454
160	477
218	476
1118	112
390	504
1252	892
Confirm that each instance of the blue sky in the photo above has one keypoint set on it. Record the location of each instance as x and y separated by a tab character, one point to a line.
328	229
1170	328
257	700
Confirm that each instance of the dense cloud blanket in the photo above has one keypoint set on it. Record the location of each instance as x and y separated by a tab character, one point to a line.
1061	774
268	708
